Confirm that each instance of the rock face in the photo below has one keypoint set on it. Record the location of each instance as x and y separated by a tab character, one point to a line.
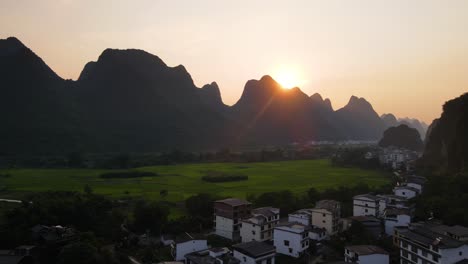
402	136
391	121
131	101
447	141
359	120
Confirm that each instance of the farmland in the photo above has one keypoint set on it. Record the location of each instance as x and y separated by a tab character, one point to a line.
182	181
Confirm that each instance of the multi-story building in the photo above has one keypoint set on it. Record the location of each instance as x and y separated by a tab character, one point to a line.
326	214
254	252
417	182
259	226
291	239
405	191
366	254
210	256
396	217
303	216
428	242
367	205
228	214
186	245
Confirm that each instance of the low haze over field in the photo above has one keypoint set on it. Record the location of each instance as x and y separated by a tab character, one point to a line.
406	57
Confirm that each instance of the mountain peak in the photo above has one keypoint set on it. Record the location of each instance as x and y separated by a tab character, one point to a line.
358	102
10	46
316	97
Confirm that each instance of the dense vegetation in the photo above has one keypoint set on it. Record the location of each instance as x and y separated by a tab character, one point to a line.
126	174
447	142
216	176
402	136
446	198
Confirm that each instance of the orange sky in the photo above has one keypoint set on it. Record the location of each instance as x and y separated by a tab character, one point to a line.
405	57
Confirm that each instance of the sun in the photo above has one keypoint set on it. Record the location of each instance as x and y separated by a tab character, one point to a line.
288	77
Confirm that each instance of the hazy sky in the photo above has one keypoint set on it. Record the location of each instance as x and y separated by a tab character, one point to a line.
405	56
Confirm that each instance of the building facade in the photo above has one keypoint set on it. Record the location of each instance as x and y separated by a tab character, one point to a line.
259	227
366	254
228	214
326	214
291	239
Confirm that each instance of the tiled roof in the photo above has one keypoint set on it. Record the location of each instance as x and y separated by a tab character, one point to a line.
366	250
233	202
254	248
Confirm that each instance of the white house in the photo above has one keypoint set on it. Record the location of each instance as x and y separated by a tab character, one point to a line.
260	226
212	255
317	233
367	205
416	182
366	254
187	245
395	201
326	214
396	217
303	216
291	239
406	191
254	252
425	243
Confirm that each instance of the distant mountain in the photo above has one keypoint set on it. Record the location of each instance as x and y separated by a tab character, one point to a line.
131	101
359	120
402	136
270	114
35	111
391	121
447	141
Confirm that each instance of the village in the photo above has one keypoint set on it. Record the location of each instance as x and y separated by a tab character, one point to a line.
264	236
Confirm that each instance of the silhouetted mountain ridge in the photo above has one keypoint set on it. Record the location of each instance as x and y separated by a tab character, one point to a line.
131	101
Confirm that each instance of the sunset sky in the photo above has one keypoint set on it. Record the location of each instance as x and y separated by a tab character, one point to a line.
406	57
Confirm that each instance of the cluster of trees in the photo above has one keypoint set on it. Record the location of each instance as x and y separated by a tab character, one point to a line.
445	197
127	174
217	176
355	157
125	160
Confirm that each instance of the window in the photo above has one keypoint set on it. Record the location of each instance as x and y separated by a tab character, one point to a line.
414	258
290	250
245	259
366	210
286	242
268	261
253	232
435	257
323	215
323	221
460	253
404	193
367	205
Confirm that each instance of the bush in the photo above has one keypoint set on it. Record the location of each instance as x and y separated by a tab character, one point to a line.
215	176
127	174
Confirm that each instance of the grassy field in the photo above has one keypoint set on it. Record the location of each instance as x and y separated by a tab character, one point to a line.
182	181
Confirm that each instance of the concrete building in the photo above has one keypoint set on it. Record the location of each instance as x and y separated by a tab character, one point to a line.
303	216
259	227
254	252
396	217
406	191
186	245
326	214
317	234
366	254
228	214
367	205
291	239
212	256
427	242
417	182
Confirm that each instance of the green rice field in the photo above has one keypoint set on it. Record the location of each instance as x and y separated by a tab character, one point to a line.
182	181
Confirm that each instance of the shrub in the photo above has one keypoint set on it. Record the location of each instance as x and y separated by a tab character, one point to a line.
127	174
